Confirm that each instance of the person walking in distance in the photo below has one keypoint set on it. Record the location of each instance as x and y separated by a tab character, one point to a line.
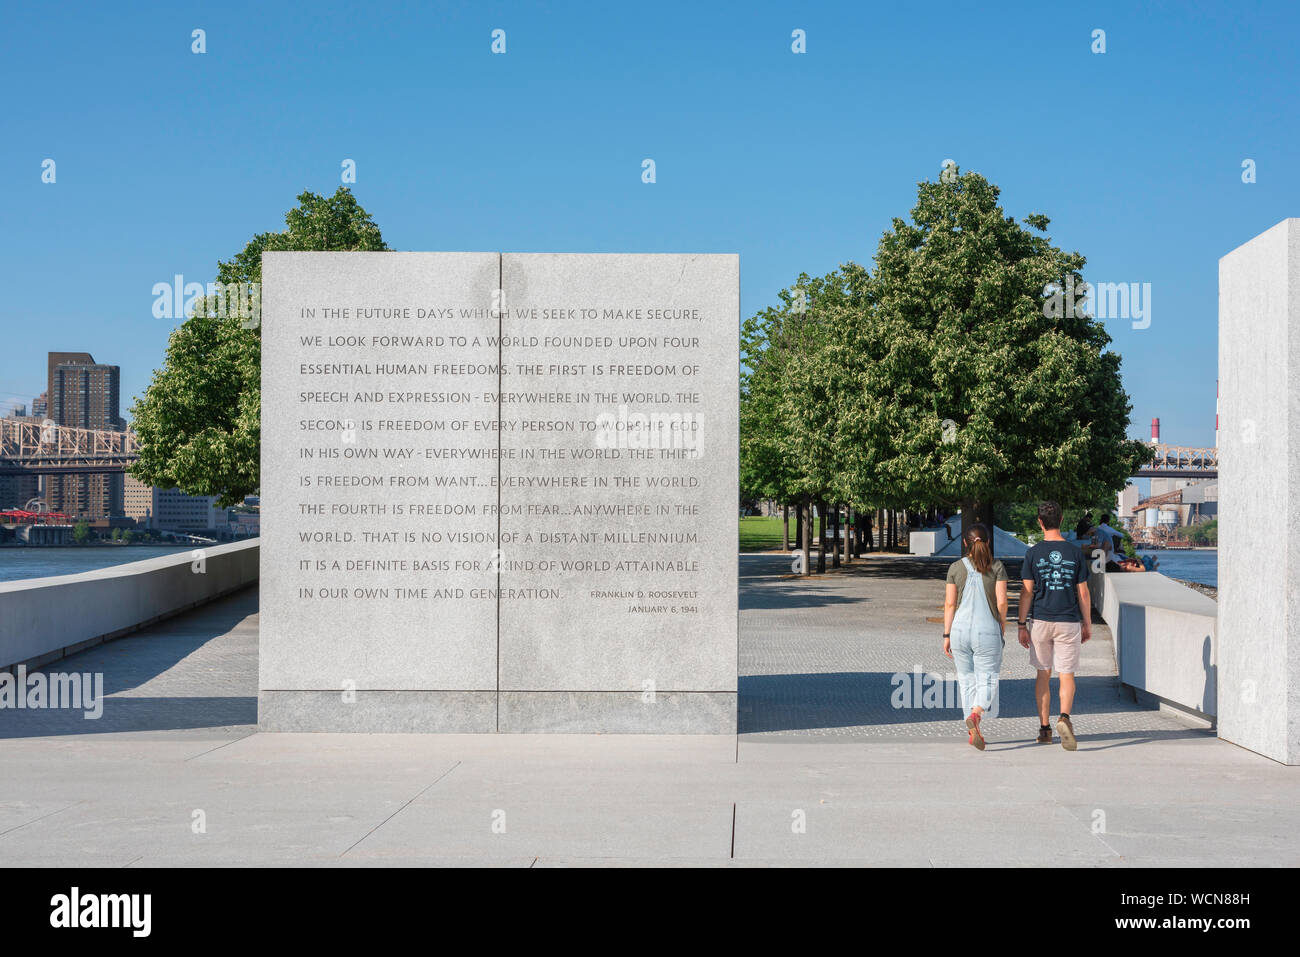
1055	619
974	619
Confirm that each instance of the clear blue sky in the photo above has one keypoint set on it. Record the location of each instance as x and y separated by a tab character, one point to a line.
168	161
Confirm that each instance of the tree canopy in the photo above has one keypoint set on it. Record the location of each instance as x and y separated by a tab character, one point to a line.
941	377
199	421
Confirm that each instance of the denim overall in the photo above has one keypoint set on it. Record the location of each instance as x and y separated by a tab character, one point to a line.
976	640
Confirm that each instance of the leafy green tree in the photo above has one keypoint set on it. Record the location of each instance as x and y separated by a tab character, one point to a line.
199	421
787	412
1019	518
967	386
81	533
786	422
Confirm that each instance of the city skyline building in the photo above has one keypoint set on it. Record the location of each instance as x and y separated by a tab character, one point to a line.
84	394
170	509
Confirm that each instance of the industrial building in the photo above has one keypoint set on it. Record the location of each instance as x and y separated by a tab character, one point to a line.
1170	504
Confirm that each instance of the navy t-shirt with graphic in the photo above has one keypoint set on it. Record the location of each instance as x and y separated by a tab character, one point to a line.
1056	568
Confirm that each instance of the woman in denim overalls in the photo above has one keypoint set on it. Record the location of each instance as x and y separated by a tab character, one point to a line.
973	625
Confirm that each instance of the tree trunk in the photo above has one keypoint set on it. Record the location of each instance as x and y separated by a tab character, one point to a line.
821	536
848	535
785	534
835	538
805	535
973	512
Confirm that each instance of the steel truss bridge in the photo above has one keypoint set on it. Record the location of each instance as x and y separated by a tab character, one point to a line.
1181	461
36	448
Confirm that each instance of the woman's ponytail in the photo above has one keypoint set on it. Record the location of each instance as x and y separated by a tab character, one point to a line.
977	548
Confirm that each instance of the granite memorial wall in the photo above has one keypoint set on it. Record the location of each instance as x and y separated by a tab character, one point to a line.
499	492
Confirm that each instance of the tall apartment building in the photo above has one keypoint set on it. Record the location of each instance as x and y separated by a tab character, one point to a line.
84	394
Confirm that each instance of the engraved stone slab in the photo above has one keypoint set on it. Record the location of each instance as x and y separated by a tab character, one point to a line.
499	492
379	471
619	413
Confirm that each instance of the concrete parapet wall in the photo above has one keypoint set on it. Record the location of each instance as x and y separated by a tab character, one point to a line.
1165	637
42	619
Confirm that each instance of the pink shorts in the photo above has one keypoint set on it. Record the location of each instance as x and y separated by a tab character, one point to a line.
1054	645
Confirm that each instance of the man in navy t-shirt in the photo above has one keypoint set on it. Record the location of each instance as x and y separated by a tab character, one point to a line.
1054	596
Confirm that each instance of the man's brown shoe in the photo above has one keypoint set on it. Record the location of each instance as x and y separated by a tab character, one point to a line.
1044	735
1066	731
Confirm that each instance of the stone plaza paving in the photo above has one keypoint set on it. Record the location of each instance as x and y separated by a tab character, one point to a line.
819	657
825	771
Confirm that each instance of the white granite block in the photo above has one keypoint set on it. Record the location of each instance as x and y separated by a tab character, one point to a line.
1259	494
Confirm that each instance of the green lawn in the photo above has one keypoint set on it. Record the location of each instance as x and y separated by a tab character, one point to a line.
764	534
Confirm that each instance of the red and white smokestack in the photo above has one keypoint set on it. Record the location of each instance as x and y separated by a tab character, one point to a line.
1155	431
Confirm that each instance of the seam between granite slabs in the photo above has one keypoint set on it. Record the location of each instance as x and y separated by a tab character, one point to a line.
224	744
501	309
403	807
737	565
34	820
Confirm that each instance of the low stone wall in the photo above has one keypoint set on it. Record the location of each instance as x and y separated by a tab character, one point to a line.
936	541
42	619
1165	637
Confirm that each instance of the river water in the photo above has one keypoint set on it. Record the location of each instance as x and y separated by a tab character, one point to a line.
1199	565
19	562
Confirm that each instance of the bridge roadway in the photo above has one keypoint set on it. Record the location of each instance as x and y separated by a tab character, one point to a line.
821	742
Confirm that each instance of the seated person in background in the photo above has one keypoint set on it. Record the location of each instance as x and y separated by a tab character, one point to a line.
1084	528
1110	540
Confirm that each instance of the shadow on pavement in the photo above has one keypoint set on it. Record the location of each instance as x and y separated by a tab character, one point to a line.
136	659
804	702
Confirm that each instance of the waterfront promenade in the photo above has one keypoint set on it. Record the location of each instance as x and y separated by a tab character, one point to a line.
825	771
